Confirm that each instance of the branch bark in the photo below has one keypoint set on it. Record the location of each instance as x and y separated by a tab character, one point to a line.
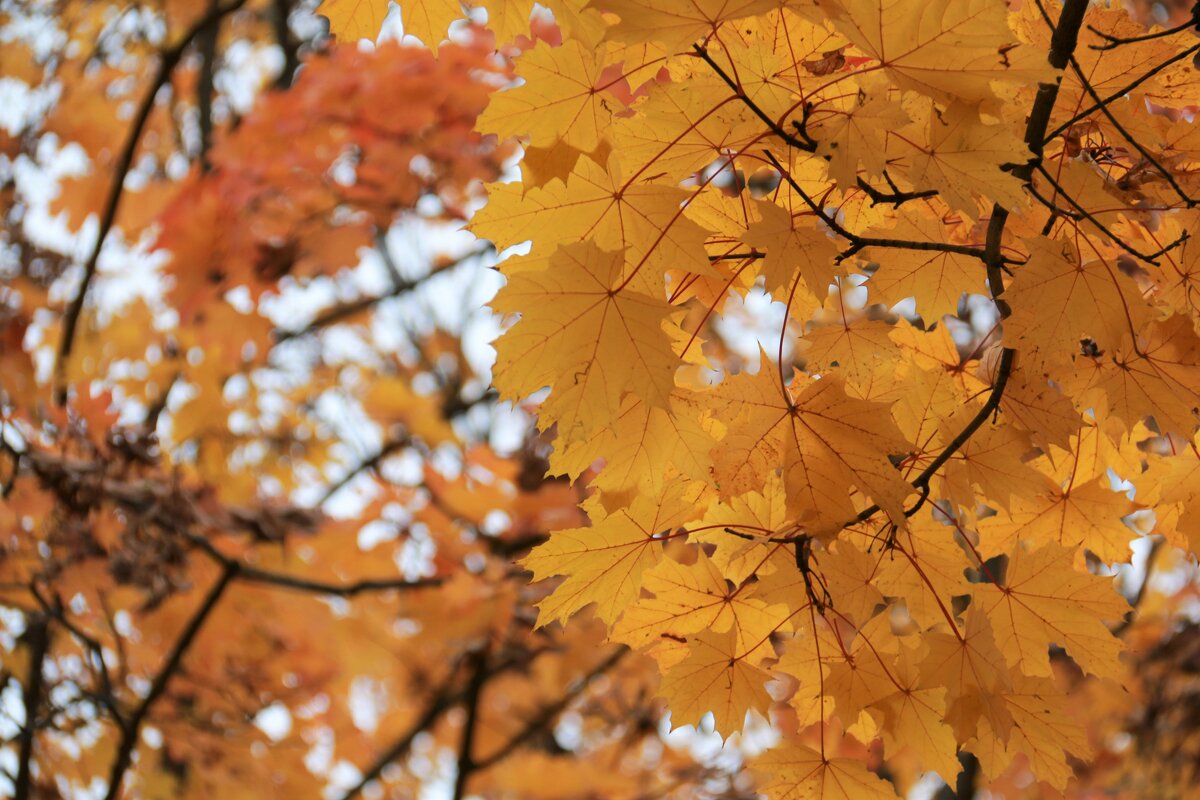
466	744
168	60
37	638
131	728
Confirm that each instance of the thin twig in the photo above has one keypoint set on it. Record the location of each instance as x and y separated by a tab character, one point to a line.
808	146
859	242
344	311
1104	109
246	573
1119	93
441	700
108	697
1112	42
1084	214
369	463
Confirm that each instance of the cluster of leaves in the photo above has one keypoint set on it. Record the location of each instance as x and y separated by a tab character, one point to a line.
259	506
982	382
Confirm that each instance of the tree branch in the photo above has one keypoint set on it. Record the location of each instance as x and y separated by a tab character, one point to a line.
168	60
1104	109
466	744
246	573
131	728
369	463
108	696
1062	45
37	638
548	714
1084	214
1112	42
806	144
207	45
443	699
281	11
344	311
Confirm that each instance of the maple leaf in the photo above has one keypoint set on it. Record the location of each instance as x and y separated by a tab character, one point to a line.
689	599
969	664
1044	601
1059	300
715	677
1088	513
926	570
799	772
824	440
352	20
644	447
604	564
993	460
428	20
858	137
1043	731
935	279
562	91
582	313
793	249
949	50
674	25
964	158
595	204
1151	373
914	717
758	515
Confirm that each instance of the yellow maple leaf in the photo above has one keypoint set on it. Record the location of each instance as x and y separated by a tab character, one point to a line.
645	446
935	279
586	338
1045	601
716	676
858	136
1059	297
794	247
351	20
1088	513
824	440
963	156
561	94
969	665
938	574
914	718
1044	731
949	50
429	20
1153	372
604	564
675	25
798	772
688	599
643	219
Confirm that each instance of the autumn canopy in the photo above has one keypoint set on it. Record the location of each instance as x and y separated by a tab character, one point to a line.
842	410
